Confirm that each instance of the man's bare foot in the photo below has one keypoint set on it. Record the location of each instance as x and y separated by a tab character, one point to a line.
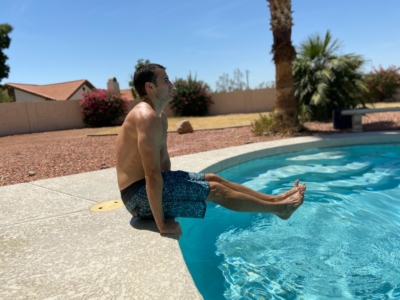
286	194
291	202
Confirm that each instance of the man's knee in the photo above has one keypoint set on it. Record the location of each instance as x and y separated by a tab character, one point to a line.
210	177
217	190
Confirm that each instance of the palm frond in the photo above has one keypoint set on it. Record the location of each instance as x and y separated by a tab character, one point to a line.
325	79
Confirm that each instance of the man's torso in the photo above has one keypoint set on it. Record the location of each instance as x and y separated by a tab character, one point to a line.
129	160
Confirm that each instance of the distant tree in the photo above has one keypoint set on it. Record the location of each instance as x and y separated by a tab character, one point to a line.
325	80
265	85
139	63
5	41
5	97
226	84
223	83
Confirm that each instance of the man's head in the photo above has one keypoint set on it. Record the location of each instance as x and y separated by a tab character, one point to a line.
145	73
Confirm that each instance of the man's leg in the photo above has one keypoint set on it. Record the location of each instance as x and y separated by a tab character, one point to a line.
242	189
243	202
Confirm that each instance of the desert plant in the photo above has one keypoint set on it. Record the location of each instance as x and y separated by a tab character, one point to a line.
325	80
191	97
270	125
383	83
102	108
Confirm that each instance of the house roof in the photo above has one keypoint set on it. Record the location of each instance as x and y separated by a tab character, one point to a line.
56	91
127	94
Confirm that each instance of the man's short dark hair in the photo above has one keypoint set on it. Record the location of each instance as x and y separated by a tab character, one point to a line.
145	73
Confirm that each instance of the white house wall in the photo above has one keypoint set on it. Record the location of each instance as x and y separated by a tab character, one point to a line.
21	96
78	93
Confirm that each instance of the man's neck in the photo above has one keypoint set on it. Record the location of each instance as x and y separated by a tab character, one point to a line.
157	106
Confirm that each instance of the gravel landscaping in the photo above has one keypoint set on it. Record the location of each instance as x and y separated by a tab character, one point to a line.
29	157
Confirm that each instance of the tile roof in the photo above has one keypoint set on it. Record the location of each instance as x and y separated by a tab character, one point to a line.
127	94
56	91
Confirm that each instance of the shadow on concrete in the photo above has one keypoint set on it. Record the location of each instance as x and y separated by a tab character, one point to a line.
144	224
381	125
371	126
149	225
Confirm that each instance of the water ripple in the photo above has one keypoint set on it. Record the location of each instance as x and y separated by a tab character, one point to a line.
343	243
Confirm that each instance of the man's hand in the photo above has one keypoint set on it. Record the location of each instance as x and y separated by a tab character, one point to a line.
171	228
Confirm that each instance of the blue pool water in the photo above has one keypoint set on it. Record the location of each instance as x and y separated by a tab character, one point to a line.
342	243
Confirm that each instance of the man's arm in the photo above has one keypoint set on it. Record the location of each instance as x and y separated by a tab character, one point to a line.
149	140
165	160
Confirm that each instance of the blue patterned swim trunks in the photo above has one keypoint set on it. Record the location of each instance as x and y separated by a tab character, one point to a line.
183	195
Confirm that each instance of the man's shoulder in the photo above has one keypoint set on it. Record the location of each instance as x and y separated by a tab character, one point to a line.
144	118
142	112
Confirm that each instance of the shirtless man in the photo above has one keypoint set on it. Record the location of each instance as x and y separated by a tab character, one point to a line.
149	188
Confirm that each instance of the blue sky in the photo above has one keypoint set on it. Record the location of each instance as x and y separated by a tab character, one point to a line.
57	41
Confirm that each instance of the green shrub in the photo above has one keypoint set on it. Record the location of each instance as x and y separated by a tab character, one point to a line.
383	84
102	108
268	125
191	97
325	80
4	97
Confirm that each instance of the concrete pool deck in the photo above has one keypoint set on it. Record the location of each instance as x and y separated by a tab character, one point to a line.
54	247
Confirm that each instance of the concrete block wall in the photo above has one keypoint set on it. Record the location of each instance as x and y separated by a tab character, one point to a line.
29	117
41	116
239	102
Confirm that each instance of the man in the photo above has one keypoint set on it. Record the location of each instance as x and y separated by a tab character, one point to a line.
150	190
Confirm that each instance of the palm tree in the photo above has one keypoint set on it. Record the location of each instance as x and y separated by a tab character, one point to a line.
283	56
325	80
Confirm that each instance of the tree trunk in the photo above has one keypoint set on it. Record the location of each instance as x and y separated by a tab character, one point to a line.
284	54
285	103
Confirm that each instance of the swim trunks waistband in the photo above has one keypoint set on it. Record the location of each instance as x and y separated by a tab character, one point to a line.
132	189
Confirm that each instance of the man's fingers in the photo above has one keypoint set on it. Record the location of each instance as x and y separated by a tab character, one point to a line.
178	231
172	229
175	234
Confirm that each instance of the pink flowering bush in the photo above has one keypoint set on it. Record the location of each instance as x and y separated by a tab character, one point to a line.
191	97
102	108
383	84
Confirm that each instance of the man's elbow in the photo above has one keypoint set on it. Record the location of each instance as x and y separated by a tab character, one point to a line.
153	176
166	165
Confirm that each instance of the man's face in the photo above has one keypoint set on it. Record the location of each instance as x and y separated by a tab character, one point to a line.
164	88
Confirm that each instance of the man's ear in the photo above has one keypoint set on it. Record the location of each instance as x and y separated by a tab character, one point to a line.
149	85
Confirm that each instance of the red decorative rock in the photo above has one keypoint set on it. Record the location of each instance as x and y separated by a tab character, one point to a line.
184	127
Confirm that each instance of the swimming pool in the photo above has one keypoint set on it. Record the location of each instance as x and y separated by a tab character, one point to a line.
342	243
